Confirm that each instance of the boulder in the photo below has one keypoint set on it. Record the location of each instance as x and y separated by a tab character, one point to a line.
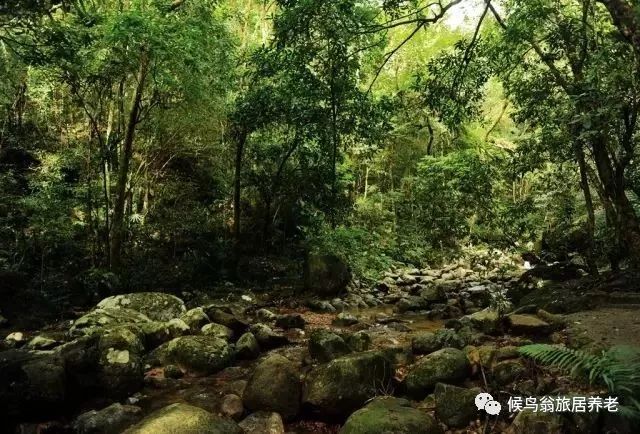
455	406
338	388
263	422
325	345
338	304
102	318
41	343
556	321
267	338
217	331
228	319
345	320
326	274
121	367
157	306
507	372
195	319
412	304
486	320
448	365
157	333
266	315
528	325
31	383
247	347
320	306
390	415
274	386
359	341
184	419
529	422
232	407
110	420
432	294
201	355
290	321
426	342
81	359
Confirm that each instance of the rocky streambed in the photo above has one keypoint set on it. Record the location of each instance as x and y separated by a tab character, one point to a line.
407	355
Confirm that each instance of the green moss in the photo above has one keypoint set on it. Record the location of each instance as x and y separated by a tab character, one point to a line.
390	415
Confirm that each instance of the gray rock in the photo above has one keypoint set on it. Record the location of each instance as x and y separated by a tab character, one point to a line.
274	386
431	294
412	304
390	415
41	343
31	382
226	318
321	306
157	333
263	422
325	345
529	422
184	419
448	365
338	304
110	420
247	347
103	318
290	321
487	320
217	331
195	319
507	372
528	325
326	274
157	306
200	355
359	341
121	367
266	315
267	338
231	407
455	406
343	385
345	320
427	343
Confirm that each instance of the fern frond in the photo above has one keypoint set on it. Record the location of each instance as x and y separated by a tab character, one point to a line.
618	369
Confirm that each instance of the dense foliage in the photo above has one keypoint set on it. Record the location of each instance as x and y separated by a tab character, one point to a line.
156	143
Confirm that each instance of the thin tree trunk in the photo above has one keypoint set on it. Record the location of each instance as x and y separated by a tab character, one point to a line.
366	181
118	229
241	139
588	200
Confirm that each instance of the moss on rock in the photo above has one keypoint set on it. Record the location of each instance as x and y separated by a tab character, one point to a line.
157	306
390	415
339	387
184	419
448	365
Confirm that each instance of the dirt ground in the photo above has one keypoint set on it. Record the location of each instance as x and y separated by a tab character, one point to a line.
607	326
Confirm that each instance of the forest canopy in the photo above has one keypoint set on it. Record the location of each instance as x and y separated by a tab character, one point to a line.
165	143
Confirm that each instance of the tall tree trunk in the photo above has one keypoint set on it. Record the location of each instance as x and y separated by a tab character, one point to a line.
627	221
118	225
626	19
